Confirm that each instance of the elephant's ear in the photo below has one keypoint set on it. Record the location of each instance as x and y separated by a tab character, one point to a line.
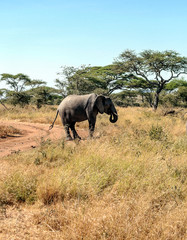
99	103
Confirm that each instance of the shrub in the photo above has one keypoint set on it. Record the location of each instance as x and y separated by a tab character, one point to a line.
21	188
19	98
156	133
6	131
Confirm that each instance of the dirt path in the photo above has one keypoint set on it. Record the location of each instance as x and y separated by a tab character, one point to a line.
31	136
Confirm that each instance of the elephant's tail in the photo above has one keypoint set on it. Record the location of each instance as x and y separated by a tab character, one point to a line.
54	121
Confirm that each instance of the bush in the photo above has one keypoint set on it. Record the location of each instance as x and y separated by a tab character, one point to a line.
156	133
19	98
20	188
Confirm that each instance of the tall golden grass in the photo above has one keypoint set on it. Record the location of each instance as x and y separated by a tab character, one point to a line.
129	182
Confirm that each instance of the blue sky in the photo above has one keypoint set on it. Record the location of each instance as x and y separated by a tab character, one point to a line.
38	37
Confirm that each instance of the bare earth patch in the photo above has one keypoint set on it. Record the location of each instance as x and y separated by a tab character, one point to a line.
19	136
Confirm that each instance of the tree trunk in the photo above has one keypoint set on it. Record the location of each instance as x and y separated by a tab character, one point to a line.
156	100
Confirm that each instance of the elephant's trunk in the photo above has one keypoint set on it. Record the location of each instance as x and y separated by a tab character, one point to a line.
113	117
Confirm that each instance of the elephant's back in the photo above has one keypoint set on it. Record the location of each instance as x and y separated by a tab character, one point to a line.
73	102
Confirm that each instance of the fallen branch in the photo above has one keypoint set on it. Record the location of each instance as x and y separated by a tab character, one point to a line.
4	105
169	112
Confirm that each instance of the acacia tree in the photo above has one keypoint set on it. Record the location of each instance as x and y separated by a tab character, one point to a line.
107	79
74	80
61	87
16	82
41	95
35	83
157	68
86	79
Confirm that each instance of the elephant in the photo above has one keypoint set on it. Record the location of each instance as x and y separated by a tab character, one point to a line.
78	108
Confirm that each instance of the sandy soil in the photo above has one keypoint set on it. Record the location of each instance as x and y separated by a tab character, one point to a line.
31	137
32	134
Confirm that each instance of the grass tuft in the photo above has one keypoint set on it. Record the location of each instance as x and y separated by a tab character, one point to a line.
20	188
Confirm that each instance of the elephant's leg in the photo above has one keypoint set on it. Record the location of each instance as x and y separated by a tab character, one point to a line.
91	127
75	134
66	128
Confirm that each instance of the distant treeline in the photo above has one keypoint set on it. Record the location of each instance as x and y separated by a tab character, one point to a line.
145	79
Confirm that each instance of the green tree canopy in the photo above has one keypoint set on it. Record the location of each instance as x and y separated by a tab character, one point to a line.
74	80
43	95
35	83
175	84
182	94
16	82
86	79
155	67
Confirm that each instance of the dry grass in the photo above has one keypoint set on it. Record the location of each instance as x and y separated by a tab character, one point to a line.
130	182
9	131
30	114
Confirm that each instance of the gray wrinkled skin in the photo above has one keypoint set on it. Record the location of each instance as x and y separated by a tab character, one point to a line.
78	108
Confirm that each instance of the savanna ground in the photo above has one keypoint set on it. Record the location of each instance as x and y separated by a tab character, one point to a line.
129	182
